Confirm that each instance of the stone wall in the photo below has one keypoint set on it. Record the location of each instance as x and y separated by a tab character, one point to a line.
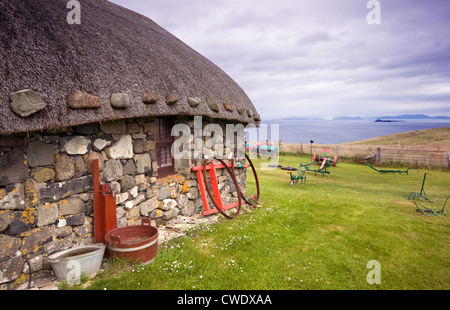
46	200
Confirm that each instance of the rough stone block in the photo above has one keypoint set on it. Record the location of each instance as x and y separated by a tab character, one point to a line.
75	219
148	145
129	167
26	102
78	145
149	98
120	101
121	198
188	210
133	128
14	200
81	100
182	200
13	167
143	163
127	182
64	167
33	240
90	159
58	245
11	269
80	167
113	171
148	206
8	246
22	221
58	191
122	149
168	204
5	219
167	215
138	147
164	193
73	205
41	174
110	127
241	110
212	105
133	212
193	102
40	154
228	106
171	99
157	213
100	144
47	214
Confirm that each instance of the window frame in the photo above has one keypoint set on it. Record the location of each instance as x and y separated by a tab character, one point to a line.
163	172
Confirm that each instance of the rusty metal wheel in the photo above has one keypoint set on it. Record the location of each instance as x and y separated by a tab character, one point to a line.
230	214
254	201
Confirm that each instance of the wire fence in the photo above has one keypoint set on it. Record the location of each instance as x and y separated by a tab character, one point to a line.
422	158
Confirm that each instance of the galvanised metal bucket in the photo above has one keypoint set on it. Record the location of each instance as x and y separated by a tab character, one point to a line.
70	265
133	243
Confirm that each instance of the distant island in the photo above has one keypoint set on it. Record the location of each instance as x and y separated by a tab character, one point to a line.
376	118
413	116
389	121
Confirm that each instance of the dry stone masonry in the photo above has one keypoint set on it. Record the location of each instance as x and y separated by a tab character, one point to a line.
46	199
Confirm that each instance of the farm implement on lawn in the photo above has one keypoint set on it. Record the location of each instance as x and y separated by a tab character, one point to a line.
213	192
423	203
302	169
427	210
384	171
422	195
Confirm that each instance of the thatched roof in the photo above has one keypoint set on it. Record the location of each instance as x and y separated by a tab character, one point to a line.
72	71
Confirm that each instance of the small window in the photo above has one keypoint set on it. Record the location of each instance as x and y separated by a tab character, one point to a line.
163	148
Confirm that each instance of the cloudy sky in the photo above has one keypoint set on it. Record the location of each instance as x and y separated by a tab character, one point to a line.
320	58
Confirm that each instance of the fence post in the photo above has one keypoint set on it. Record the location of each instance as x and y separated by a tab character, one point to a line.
446	160
378	157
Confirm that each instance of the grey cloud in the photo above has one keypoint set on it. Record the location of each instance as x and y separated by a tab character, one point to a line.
289	55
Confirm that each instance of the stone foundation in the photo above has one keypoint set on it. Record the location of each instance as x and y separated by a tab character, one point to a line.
46	200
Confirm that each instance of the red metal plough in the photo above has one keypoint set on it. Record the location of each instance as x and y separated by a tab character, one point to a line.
214	194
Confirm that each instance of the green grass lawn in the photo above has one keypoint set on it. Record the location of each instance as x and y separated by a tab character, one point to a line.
315	236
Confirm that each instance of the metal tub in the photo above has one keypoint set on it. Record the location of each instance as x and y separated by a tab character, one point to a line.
133	243
71	264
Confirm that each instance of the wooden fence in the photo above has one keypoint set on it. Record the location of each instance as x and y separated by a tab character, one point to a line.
413	157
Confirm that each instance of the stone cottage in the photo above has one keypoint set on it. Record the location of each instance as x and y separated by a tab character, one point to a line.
109	88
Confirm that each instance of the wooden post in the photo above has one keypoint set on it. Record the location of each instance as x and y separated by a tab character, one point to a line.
378	157
446	160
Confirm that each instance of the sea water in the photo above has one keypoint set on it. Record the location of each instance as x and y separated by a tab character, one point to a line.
342	131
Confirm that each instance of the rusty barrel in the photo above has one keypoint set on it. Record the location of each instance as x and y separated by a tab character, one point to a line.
133	243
